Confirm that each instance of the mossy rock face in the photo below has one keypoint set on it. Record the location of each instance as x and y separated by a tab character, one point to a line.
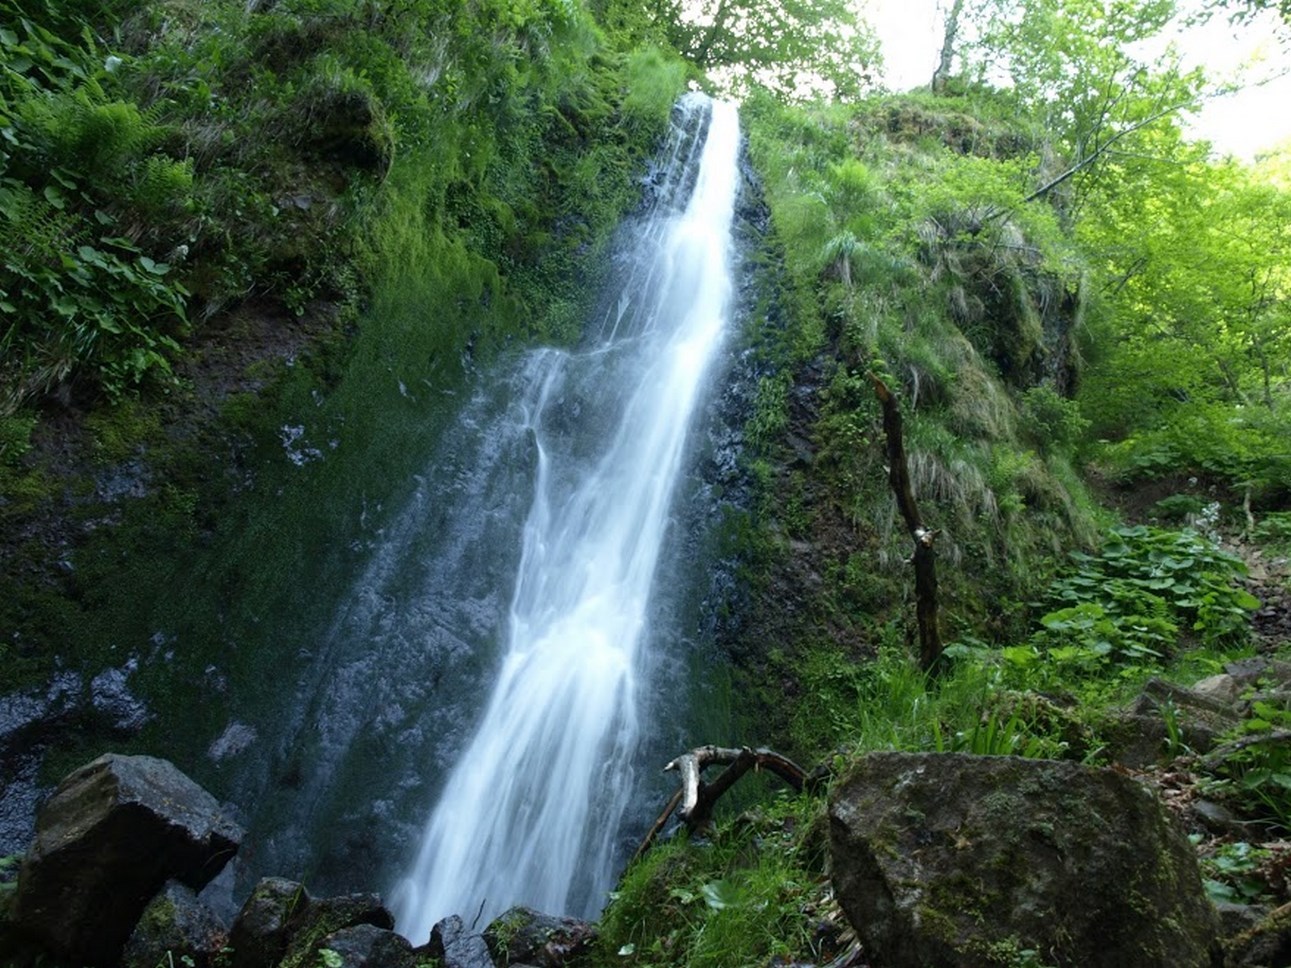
960	860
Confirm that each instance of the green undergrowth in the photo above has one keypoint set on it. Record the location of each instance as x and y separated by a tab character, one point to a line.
744	897
756	889
904	249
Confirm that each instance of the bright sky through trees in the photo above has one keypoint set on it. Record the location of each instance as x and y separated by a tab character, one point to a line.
1244	124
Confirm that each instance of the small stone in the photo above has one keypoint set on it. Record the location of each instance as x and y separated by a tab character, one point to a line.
1223	688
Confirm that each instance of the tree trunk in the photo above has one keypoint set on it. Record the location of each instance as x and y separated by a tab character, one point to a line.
925	556
942	73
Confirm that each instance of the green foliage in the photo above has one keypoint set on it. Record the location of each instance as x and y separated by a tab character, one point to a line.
1255	774
1231	873
794	48
1053	423
78	167
742	900
1178	577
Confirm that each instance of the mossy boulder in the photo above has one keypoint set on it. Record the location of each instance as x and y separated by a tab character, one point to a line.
960	860
365	946
523	936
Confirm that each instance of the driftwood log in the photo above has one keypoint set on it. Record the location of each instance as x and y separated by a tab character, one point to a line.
925	555
696	799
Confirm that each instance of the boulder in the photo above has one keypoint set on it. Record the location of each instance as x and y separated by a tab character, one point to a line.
1137	736
174	925
455	947
523	936
364	946
960	860
109	837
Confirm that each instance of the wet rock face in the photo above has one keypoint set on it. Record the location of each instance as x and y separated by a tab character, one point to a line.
958	860
111	835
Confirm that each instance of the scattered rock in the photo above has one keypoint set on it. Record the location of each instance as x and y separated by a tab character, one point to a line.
174	925
523	936
280	924
1216	817
262	928
1235	919
958	860
1222	688
28	721
235	738
365	946
111	835
455	947
1267	945
112	699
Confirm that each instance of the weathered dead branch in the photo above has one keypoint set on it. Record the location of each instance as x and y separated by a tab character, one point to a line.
696	799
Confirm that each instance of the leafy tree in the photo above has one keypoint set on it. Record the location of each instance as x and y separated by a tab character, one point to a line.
1195	327
797	48
1078	66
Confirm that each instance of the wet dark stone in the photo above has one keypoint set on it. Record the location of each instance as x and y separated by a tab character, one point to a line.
175	925
365	946
456	947
263	927
523	935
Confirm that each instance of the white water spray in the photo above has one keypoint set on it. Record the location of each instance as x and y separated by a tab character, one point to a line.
530	813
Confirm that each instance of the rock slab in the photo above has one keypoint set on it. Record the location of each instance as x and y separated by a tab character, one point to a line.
964	861
107	840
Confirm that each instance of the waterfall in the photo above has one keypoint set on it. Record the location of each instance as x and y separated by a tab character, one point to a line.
530	813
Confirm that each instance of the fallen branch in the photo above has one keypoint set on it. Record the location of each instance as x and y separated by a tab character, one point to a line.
696	799
1216	756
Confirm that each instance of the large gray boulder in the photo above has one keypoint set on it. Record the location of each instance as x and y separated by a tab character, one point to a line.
109	837
963	861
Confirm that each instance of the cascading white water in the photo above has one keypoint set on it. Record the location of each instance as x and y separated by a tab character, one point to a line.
530	813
